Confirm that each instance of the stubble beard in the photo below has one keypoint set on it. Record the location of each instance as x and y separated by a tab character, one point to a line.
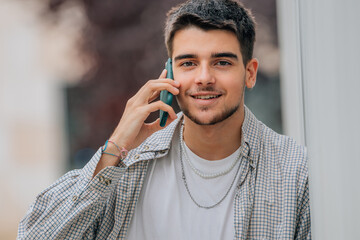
223	115
226	113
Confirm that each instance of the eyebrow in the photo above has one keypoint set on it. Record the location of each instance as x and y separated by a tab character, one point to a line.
225	54
213	55
184	56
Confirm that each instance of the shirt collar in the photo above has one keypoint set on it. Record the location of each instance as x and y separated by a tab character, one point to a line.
250	138
157	145
160	141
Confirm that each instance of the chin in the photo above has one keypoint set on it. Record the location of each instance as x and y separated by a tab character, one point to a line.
210	118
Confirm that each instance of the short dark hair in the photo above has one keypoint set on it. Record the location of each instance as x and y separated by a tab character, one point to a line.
228	15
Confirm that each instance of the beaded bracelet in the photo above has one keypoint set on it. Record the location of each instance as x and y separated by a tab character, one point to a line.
123	151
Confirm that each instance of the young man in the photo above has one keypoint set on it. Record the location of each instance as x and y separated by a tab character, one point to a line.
215	172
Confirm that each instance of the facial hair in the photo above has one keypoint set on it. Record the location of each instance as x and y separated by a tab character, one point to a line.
227	112
216	119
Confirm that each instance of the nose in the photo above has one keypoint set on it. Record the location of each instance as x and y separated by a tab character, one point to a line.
204	76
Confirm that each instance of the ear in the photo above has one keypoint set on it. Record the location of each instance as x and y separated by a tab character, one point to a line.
251	71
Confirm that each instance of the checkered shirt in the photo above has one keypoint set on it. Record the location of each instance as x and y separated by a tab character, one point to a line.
271	199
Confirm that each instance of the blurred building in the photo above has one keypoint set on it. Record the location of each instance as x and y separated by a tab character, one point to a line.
66	71
37	58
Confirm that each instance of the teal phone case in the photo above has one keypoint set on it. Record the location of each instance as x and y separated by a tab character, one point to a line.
166	96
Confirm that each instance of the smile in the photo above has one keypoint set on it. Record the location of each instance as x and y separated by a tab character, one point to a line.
206	96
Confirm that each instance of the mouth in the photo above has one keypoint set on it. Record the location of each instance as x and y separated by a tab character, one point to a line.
206	96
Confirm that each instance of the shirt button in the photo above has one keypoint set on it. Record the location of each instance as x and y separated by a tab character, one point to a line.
162	151
146	147
101	178
108	182
137	156
74	198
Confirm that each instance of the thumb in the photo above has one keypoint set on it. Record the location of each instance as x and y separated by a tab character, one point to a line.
155	126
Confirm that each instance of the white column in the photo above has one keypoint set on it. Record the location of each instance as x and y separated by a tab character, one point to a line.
328	43
290	69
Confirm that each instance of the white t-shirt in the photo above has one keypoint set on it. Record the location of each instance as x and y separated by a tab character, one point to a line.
165	210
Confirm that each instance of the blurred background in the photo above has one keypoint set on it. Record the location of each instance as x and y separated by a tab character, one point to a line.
67	68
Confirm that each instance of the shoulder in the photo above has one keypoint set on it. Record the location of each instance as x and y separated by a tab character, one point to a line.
284	151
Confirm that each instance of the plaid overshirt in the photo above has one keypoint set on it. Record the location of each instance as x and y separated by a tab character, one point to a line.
271	199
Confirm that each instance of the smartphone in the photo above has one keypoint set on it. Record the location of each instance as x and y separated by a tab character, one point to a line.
165	95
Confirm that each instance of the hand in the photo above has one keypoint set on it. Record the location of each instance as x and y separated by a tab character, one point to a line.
132	130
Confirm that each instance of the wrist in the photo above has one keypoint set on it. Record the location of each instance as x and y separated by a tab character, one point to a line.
111	148
119	142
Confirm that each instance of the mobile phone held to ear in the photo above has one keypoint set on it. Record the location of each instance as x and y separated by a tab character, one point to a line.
165	95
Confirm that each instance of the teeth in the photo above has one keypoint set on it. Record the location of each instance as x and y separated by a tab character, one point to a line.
206	96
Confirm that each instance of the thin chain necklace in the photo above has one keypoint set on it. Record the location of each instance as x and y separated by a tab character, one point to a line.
208	175
186	184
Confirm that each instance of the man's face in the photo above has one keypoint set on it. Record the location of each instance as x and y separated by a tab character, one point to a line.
209	66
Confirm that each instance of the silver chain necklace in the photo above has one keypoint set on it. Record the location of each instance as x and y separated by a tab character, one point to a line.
208	175
186	184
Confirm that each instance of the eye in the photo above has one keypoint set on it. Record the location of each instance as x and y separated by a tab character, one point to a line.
223	63
187	64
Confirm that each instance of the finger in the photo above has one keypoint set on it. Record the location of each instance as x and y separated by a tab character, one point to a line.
169	80
159	86
152	90
159	105
154	96
155	126
152	85
164	80
148	91
163	74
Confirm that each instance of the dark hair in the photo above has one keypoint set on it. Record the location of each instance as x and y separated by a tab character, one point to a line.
228	15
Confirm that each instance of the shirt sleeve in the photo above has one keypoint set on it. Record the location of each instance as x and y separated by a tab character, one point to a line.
304	225
73	206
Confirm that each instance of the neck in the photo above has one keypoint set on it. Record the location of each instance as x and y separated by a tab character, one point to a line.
214	142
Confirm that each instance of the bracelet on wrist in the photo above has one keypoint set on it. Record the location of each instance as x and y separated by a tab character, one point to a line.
123	151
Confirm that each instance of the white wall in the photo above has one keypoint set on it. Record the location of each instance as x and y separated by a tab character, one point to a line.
321	67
